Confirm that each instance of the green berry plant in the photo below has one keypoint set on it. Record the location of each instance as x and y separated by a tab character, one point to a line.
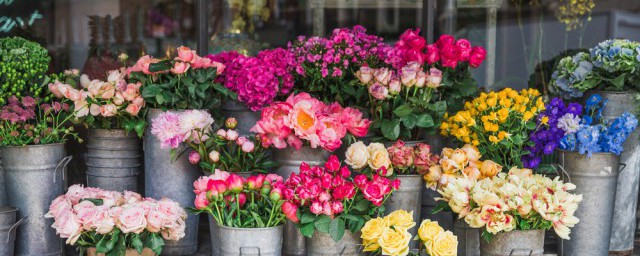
22	69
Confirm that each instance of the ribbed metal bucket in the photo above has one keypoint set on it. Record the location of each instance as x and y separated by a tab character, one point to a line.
249	241
516	243
289	160
408	198
113	160
444	218
596	179
321	244
246	118
8	238
174	180
34	177
624	221
468	238
8	216
3	192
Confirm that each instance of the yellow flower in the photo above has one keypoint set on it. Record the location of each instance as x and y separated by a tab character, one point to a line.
460	157
494	139
505	102
395	242
492	102
370	245
444	244
527	116
489	168
502	135
545	120
400	219
432	177
372	230
379	157
503	114
428	230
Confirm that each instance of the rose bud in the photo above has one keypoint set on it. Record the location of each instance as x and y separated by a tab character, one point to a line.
361	180
251	183
241	140
345	172
217	185
214	156
194	157
395	184
231	123
242	199
291	211
332	164
235	182
394	87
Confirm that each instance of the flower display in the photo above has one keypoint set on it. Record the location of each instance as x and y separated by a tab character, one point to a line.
184	82
111	104
390	236
257	81
590	133
302	117
457	163
396	159
24	66
323	196
518	200
222	149
232	201
87	217
498	123
325	66
551	125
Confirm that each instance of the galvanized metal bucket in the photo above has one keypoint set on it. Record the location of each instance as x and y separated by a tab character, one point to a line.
408	198
289	160
596	179
3	192
516	243
246	118
445	219
321	244
624	220
113	160
8	215
174	180
248	241
8	238
34	177
468	238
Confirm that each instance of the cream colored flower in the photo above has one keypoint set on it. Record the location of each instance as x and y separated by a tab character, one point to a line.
395	242
372	230
379	157
400	219
446	152
444	244
357	155
472	172
432	177
428	230
489	169
472	152
449	166
460	158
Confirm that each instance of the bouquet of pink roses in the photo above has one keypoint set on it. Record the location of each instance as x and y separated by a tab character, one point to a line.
111	104
224	149
114	222
233	201
396	159
326	196
302	117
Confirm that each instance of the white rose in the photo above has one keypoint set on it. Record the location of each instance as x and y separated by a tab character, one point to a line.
357	155
379	157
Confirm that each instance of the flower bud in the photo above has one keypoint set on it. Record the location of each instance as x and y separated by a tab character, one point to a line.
214	156
231	123
194	157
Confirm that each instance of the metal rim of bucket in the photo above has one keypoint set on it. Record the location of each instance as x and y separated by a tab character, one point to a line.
36	146
7	209
124	157
250	229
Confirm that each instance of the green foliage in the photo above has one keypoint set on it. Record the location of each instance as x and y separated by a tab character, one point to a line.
116	243
23	68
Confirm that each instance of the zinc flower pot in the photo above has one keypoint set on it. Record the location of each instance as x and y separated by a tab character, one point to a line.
516	243
248	241
408	198
34	177
246	118
468	238
129	252
8	237
113	160
173	180
321	244
289	160
596	178
444	218
624	220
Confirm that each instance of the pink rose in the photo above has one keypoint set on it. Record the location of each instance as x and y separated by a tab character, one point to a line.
156	221
337	207
53	88
107	91
104	223
201	201
219	67
326	209
118	99
478	54
75	193
464	47
449	55
86	212
185	54
394	87
408	74
174	230
374	192
290	210
412	55
59	205
433	54
316	208
412	39
365	74
94	110
67	225
132	197
423	157
172	209
132	220
378	91
108	110
194	157
132	91
445	40
383	75
434	78
401	156
179	68
200	62
133	109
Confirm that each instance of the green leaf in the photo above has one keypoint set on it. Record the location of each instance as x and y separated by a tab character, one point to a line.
618	82
410	121
322	223
307	229
151	91
361	205
403	110
391	129
106	245
425	121
307	217
155	243
336	229
95	201
486	235
160	66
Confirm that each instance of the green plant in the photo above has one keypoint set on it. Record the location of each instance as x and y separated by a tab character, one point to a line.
22	69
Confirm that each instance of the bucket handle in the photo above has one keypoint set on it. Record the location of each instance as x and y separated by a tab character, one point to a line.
250	247
521	250
11	230
63	163
622	166
344	248
563	173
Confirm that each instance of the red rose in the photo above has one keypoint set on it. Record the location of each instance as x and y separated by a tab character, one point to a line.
478	54
432	55
464	47
332	164
449	55
360	180
412	39
413	55
445	40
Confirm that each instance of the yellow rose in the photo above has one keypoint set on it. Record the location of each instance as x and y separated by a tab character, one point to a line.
444	244
449	166
428	230
472	172
357	155
432	177
395	242
379	157
489	168
372	230
370	245
446	152
400	219
460	158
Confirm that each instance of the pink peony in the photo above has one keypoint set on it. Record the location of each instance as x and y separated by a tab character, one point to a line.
352	119
200	185
248	147
330	133
201	201
273	127
166	127
290	210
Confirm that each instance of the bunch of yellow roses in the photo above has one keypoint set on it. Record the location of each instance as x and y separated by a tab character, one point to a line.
498	123
457	163
390	236
518	200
